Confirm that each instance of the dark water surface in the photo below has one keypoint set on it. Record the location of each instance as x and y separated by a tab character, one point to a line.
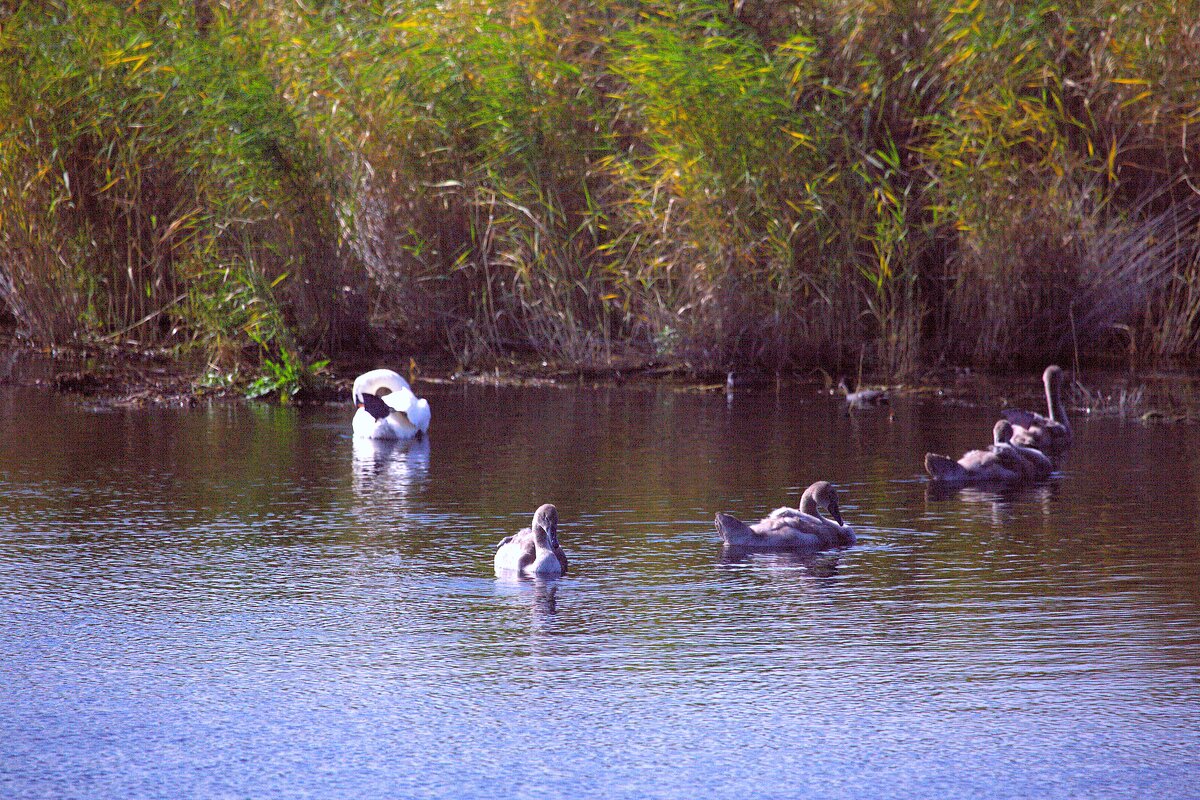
243	602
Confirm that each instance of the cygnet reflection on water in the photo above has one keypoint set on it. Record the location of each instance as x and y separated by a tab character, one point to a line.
1000	503
936	491
535	595
822	564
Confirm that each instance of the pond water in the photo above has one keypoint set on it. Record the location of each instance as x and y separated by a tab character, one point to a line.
242	601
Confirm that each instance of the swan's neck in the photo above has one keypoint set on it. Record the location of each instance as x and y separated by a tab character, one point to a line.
1058	412
808	505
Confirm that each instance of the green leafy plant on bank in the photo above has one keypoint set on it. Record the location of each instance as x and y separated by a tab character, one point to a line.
286	375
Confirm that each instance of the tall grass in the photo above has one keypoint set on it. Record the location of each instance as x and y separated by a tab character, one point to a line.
783	185
150	185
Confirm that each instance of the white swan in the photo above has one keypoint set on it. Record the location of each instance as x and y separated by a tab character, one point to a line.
387	407
534	550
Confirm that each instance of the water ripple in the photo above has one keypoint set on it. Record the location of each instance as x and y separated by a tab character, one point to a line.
248	603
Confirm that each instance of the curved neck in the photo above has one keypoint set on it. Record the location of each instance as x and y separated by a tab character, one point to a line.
1058	412
808	505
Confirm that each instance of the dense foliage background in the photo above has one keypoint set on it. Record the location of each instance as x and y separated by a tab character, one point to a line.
786	184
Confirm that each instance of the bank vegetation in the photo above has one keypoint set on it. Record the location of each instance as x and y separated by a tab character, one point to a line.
785	185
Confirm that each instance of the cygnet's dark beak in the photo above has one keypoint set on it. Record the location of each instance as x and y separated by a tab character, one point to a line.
837	515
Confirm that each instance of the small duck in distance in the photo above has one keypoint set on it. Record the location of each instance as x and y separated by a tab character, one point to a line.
1052	434
863	399
387	407
791	528
534	550
999	464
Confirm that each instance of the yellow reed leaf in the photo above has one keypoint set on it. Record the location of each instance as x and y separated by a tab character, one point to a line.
1137	98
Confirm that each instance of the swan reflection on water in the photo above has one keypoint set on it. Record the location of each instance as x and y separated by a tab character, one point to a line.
998	501
822	564
390	466
1024	492
538	594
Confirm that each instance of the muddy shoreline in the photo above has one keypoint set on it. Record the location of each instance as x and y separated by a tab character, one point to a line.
127	376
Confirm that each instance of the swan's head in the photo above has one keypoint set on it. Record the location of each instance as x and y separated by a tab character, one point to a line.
820	494
1054	375
545	526
1002	432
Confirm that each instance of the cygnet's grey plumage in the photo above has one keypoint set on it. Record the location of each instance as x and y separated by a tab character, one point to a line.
802	528
534	549
1050	434
1035	465
996	464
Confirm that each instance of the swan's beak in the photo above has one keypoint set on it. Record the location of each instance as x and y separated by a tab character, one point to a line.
837	515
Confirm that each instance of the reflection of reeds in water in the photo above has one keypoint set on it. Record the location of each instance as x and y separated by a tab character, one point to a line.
1125	401
1172	399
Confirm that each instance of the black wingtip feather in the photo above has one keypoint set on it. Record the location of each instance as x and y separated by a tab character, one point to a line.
375	406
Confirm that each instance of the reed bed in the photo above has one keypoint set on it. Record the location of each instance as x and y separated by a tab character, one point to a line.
786	186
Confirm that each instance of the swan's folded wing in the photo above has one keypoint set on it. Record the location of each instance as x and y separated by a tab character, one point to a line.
774	526
408	404
978	459
400	401
418	414
522	538
514	553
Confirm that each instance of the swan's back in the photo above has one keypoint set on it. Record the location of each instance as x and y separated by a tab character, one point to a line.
770	532
371	382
